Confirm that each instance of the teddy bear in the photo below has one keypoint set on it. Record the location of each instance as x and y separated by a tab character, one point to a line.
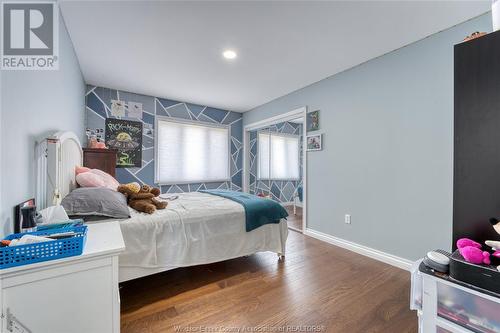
142	198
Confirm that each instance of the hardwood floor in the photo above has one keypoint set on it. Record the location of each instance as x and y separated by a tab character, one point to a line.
294	220
317	284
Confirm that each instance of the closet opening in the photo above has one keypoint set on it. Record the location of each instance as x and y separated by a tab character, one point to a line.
275	163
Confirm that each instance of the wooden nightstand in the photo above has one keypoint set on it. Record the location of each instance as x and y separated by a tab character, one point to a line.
102	159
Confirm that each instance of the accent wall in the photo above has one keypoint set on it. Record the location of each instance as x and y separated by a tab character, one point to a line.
98	108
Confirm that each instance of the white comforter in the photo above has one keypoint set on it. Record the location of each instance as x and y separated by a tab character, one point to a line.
197	228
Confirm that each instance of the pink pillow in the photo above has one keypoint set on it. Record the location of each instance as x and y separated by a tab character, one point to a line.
109	181
80	169
88	179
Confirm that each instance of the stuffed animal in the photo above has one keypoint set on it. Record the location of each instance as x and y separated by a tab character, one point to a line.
471	251
134	187
144	200
475	255
496	224
495	245
463	242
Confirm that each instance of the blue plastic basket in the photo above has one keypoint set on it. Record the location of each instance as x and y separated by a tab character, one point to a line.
11	256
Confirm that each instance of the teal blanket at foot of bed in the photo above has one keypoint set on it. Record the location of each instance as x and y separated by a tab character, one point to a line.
258	211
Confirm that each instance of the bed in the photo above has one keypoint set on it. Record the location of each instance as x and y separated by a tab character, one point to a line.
197	228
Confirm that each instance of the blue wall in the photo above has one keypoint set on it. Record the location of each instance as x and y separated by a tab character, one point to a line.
280	190
98	102
35	104
387	155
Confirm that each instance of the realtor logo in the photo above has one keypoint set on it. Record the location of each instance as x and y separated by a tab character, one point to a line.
30	32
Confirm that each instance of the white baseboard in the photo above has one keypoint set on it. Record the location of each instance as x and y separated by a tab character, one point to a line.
361	249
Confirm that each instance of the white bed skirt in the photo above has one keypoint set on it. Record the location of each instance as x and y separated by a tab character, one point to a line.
197	228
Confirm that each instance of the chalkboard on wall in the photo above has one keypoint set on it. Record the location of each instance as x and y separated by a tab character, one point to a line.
126	137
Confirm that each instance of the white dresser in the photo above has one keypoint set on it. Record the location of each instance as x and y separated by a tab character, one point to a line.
447	306
71	295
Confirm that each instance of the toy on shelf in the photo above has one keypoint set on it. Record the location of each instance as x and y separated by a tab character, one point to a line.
471	251
496	224
463	242
95	138
495	245
474	35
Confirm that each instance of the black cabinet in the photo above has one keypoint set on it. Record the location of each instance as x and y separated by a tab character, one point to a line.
476	190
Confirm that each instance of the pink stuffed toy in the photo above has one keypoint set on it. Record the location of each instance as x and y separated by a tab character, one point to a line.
475	255
471	251
463	242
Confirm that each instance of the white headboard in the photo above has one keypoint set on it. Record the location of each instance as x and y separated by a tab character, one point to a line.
57	157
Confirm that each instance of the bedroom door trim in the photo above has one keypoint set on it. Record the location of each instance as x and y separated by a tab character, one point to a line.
299	112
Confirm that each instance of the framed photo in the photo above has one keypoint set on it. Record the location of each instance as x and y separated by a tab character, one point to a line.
312	121
314	142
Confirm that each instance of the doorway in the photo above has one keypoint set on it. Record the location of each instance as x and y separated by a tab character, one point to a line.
275	163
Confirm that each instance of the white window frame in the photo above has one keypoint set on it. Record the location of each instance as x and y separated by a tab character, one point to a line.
257	157
190	122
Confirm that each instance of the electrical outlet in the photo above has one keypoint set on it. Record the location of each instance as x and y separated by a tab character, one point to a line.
347	218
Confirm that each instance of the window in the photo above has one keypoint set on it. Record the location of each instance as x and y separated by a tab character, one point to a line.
278	156
191	152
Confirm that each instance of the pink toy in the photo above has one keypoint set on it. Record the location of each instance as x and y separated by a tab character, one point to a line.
496	254
100	145
463	242
475	255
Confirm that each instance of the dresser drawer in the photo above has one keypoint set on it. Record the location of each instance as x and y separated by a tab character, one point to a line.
102	159
468	310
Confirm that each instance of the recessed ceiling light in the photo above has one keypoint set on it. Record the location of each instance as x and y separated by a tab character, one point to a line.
229	54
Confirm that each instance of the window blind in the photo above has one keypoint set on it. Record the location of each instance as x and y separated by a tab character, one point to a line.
189	152
278	156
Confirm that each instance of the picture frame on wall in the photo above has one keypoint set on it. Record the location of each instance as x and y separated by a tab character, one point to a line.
312	121
314	142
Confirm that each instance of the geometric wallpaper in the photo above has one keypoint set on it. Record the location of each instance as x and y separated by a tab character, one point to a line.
98	108
280	190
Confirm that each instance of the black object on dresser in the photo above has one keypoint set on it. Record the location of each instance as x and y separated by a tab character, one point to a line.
482	276
476	184
102	159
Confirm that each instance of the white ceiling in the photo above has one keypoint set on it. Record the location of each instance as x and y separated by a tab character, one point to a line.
173	49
